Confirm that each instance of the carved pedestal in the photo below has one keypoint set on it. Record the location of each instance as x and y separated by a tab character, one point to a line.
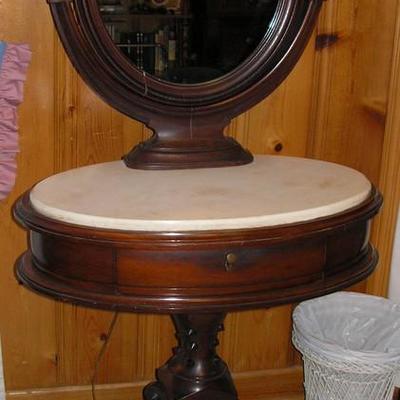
195	371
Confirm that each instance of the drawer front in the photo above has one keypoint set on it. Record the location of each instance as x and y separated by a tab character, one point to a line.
232	267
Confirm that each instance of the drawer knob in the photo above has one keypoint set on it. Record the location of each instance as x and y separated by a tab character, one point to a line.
230	260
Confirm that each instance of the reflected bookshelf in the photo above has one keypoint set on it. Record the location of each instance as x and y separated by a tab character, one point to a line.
155	39
186	41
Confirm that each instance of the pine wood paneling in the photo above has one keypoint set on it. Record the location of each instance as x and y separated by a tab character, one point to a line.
351	74
333	106
350	105
389	181
263	338
283	118
27	322
86	129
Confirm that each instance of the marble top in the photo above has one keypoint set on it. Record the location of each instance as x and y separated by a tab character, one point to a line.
273	190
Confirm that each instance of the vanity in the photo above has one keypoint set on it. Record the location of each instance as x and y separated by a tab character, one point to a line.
189	223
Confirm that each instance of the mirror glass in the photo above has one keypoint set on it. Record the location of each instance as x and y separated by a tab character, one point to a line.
187	41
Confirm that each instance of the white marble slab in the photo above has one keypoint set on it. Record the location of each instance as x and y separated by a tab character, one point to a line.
273	190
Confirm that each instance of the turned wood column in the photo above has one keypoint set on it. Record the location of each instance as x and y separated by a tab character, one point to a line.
195	371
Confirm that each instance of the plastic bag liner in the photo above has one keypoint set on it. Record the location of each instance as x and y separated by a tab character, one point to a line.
350	327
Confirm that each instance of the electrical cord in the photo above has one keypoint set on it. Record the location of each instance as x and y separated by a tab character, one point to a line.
101	354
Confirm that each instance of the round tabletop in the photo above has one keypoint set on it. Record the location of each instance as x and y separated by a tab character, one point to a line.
273	190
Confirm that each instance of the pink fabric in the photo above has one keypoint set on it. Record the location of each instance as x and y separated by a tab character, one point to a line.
12	78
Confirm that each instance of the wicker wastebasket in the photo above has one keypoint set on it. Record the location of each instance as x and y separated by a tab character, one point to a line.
350	344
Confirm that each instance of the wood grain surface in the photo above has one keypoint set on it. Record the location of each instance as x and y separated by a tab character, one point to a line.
389	179
355	109
333	106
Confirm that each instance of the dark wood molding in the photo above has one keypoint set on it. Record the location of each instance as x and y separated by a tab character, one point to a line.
187	120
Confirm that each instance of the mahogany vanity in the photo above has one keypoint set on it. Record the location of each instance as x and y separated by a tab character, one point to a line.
190	223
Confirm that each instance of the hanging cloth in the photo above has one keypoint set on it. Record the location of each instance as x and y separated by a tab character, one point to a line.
14	62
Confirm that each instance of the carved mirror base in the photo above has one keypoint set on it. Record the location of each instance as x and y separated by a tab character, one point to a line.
198	153
194	372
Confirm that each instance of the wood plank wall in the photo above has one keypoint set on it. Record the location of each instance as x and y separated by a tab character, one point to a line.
333	106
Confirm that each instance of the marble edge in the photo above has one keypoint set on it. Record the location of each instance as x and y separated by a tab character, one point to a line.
260	221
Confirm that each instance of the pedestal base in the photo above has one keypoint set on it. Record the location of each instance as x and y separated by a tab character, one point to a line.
194	372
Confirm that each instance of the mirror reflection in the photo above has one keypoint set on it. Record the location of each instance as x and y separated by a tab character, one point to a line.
187	41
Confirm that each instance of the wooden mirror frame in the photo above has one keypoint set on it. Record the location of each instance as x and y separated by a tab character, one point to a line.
187	120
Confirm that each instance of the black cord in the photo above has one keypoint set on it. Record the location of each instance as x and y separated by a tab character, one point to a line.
101	353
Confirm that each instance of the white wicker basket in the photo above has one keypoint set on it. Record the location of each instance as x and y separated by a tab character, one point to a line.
350	345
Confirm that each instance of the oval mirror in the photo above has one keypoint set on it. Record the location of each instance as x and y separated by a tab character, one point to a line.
187	41
185	68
